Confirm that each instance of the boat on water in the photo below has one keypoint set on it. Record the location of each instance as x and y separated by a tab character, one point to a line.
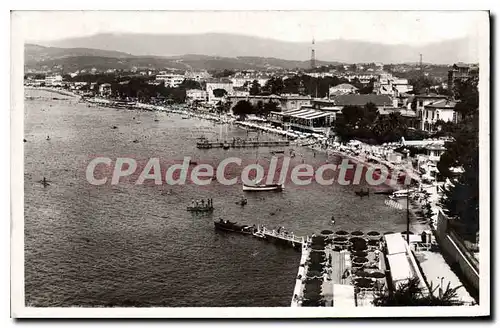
400	193
362	193
242	202
185	117
384	192
226	225
201	206
263	187
200	209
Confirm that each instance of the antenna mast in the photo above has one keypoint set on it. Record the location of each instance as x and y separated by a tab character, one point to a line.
313	56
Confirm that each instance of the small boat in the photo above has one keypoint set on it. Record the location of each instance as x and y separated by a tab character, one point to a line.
400	194
157	120
44	182
185	117
384	192
263	187
242	202
362	193
200	208
226	225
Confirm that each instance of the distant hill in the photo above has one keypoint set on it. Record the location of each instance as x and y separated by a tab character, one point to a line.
72	59
231	46
36	53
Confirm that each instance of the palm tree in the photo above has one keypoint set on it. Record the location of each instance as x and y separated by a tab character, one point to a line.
411	293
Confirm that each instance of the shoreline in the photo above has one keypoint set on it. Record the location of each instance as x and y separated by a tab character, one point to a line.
314	145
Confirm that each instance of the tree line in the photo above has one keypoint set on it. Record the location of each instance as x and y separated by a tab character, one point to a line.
365	123
243	108
461	200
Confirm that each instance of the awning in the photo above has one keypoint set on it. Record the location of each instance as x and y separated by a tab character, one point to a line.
308	114
400	267
395	243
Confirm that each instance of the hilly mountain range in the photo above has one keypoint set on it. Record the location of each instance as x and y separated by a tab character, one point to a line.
232	45
71	59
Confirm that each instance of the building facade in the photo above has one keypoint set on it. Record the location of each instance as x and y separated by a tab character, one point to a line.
443	110
196	95
53	80
344	88
461	72
171	80
216	85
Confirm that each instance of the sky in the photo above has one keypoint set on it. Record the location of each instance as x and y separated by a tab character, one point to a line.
389	27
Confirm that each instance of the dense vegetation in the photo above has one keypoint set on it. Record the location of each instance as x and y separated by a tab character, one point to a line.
365	123
244	108
461	201
308	85
411	294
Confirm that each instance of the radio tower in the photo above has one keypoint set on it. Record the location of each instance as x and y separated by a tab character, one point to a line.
313	56
421	67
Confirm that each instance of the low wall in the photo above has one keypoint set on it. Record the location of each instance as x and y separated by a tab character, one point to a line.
454	250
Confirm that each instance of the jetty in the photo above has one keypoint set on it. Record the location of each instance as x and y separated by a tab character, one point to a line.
241	143
281	236
277	236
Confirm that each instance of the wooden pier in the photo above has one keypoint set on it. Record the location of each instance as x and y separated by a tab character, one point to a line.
237	143
281	237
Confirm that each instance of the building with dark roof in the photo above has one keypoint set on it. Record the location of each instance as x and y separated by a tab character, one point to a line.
461	72
441	110
361	100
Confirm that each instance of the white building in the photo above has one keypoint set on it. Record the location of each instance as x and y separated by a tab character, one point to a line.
341	89
171	80
217	84
391	85
193	95
105	89
443	110
197	76
53	80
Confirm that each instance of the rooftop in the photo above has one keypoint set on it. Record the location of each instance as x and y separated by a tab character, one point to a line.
344	86
361	100
445	103
219	81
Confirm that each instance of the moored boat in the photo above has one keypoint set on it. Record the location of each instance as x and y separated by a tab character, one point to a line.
263	187
400	193
227	225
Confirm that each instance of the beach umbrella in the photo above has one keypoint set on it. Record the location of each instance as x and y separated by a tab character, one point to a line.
358	247
373	233
360	260
341	233
358	244
357	233
363	282
376	274
360	254
357	240
361	273
326	232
